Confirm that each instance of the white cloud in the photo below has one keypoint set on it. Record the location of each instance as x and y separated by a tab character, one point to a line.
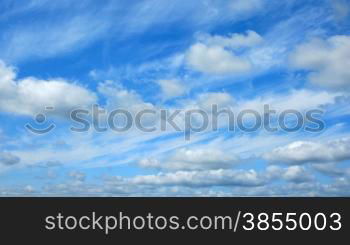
215	60
120	97
192	159
205	101
171	88
301	152
296	174
300	100
331	169
31	95
328	60
223	55
218	177
233	40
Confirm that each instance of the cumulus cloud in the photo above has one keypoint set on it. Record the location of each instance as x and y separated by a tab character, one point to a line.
301	152
216	54
215	60
192	159
171	88
296	174
31	95
328	60
8	159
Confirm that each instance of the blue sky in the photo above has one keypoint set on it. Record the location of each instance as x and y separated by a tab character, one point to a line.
136	55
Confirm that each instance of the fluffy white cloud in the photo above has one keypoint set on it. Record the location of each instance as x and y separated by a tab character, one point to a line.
297	174
216	54
171	88
328	60
301	152
215	60
31	95
193	159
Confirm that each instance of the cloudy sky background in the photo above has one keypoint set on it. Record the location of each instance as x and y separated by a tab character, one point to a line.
180	54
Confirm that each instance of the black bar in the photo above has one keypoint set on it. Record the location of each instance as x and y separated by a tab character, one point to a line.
23	219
